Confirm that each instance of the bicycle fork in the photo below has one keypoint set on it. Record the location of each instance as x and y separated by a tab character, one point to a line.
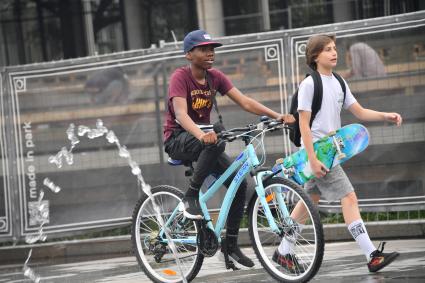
259	188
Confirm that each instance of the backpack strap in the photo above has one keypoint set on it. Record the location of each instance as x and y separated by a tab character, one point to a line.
342	83
318	92
317	95
213	93
316	104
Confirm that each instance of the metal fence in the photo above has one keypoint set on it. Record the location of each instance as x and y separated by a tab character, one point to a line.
41	103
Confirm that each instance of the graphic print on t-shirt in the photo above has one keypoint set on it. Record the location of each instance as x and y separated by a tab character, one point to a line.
201	101
198	96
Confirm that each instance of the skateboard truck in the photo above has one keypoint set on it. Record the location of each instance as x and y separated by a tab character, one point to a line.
338	143
286	171
289	171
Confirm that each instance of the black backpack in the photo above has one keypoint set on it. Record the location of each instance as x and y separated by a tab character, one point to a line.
295	133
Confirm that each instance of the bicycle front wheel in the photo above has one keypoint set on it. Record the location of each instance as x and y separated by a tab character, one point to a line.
151	246
300	235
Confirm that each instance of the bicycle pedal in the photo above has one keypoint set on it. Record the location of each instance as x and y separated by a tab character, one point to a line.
181	208
192	217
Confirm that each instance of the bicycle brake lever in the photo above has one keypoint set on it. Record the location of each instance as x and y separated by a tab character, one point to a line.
229	136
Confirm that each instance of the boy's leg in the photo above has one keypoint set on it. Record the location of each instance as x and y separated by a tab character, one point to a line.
238	205
207	159
376	258
354	222
284	255
235	214
336	186
185	146
299	214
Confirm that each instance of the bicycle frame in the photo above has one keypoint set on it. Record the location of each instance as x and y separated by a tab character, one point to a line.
246	162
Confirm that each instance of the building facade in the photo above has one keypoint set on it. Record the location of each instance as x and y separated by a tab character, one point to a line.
46	30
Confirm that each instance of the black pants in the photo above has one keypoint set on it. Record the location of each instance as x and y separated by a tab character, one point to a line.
210	159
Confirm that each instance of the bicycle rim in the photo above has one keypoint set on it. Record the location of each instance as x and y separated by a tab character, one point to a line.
154	254
308	243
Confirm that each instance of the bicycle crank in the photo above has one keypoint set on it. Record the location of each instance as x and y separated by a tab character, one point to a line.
206	240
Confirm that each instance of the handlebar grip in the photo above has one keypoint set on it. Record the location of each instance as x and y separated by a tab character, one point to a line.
218	128
269	122
275	123
224	134
264	118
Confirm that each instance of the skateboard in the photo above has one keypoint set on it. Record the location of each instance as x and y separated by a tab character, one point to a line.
333	149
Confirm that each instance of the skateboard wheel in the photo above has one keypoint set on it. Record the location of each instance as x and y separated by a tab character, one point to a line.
333	133
289	171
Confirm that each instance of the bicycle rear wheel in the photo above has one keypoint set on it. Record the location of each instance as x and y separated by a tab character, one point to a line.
304	231
152	250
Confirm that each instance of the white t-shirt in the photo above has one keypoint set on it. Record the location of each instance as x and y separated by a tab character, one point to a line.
328	118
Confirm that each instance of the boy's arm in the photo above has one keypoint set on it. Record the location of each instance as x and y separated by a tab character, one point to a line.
372	115
180	110
254	107
318	168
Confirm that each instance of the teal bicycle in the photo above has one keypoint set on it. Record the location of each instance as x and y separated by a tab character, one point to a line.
269	217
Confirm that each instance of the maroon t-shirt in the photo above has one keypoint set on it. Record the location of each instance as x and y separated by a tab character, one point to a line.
198	97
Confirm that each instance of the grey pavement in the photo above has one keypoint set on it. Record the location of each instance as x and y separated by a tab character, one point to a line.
343	262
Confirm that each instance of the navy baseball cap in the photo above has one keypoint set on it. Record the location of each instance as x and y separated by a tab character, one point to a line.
198	38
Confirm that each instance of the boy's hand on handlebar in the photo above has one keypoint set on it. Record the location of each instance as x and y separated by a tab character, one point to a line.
286	118
208	138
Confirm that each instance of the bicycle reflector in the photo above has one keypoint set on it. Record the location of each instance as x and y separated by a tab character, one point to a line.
270	197
169	272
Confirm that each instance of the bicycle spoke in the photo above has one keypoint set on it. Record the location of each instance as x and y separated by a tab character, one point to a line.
154	255
301	230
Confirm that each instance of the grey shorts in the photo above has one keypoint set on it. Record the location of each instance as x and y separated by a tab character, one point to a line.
334	186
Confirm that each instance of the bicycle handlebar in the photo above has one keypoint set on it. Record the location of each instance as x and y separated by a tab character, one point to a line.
265	125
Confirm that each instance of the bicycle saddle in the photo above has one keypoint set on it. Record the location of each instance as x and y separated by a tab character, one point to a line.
177	162
174	162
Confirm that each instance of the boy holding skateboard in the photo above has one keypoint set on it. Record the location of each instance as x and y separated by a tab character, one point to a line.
321	56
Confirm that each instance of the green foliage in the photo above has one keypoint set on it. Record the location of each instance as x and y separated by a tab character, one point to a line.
336	218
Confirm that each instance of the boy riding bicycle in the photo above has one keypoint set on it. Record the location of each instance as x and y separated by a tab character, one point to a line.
190	100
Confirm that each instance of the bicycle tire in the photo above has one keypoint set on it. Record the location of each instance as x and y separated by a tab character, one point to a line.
143	220
264	250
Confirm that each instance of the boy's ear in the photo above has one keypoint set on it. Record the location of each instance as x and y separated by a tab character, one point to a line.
189	56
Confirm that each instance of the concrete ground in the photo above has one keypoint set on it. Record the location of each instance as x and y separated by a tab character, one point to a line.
343	262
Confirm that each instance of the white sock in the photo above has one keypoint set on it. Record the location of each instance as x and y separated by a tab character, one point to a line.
358	230
287	245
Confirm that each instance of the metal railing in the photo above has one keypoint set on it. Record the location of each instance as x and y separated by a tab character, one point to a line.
40	101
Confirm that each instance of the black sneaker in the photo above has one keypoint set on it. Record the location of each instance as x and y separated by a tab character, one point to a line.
192	208
237	256
379	259
289	262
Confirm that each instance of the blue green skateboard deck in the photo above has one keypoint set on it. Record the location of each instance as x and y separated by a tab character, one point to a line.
331	150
